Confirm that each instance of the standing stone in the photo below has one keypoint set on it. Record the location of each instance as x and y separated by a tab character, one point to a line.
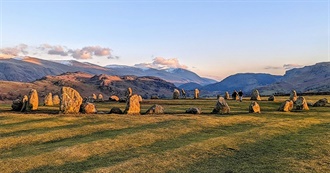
271	98
33	101
25	101
320	103
140	98
293	95
196	94
48	101
301	103
227	97
155	109
129	92
88	108
100	98
115	110
18	103
176	94
255	95
286	106
94	97
183	93
114	98
194	111
70	101
221	106
56	100
133	105
254	107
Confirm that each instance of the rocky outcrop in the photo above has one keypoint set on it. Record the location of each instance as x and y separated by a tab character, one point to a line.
221	106
254	107
133	105
70	101
155	109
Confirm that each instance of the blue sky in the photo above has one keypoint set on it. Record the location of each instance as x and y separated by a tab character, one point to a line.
212	38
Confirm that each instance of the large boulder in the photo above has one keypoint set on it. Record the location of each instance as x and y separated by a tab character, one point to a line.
255	95
227	97
48	101
176	94
155	109
293	95
254	107
321	103
17	105
301	103
33	101
193	110
114	98
133	105
221	106
286	106
271	98
70	101
88	108
56	100
115	110
196	94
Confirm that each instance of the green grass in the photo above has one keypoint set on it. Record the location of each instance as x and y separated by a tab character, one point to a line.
272	141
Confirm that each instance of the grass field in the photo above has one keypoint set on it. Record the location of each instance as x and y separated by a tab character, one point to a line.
272	141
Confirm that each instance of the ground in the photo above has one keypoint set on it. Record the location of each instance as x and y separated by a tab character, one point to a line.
272	141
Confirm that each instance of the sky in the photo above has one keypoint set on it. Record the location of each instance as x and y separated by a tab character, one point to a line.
215	39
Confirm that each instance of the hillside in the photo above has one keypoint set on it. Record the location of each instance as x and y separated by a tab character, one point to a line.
308	79
242	81
87	84
28	69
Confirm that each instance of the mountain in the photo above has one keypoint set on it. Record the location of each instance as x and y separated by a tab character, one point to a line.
27	69
242	81
178	76
308	79
190	86
87	84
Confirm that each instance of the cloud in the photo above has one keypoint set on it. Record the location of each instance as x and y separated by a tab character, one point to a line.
90	51
291	66
273	67
57	50
81	54
162	63
15	51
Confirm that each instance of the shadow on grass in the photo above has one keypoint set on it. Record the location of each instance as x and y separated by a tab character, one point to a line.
112	158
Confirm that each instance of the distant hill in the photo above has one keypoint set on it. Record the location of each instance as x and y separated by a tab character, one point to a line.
242	81
177	76
87	84
28	69
308	79
190	86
